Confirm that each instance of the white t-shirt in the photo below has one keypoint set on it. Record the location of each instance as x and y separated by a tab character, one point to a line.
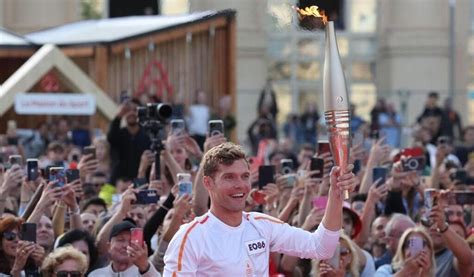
208	247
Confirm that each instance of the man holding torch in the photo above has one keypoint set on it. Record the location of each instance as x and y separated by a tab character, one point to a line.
229	242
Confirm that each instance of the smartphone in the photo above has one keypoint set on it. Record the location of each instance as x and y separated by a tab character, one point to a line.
415	245
287	166
464	197
57	174
317	164
178	127
89	150
323	147
320	202
28	232
136	236
266	175
379	173
15	159
72	175
32	169
185	186
430	200
147	196
215	127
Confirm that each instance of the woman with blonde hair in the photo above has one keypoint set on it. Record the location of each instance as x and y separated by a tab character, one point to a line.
348	261
65	262
414	256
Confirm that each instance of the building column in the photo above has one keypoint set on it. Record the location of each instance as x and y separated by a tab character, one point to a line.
250	57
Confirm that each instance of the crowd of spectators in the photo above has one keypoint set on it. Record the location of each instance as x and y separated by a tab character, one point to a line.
408	222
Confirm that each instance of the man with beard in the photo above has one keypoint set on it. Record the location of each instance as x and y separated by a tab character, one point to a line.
128	143
127	258
452	253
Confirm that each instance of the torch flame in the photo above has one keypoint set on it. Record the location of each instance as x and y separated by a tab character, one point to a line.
312	11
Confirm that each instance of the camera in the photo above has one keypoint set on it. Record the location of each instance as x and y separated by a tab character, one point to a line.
286	166
153	119
413	164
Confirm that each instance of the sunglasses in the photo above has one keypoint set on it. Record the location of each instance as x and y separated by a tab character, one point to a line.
344	251
69	274
10	236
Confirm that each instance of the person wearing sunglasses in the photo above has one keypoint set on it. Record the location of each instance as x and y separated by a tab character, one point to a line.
65	262
17	255
348	262
414	256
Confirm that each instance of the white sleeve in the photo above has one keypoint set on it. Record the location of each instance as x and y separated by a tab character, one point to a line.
295	241
181	256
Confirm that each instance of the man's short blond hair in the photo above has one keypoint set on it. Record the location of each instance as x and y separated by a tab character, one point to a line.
61	255
225	154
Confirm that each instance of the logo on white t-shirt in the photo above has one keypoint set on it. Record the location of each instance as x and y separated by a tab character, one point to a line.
256	246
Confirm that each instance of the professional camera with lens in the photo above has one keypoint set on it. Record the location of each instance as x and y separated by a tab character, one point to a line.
153	119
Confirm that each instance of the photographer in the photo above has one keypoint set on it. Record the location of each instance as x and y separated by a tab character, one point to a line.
128	143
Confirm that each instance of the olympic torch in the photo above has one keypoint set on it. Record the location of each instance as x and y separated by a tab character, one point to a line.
336	103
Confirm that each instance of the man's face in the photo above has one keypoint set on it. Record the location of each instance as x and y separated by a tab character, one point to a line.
131	116
438	242
229	187
88	221
454	213
56	155
378	229
396	233
469	136
94	209
45	232
431	102
347	223
137	213
118	248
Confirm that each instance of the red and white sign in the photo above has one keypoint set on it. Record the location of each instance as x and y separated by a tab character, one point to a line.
55	103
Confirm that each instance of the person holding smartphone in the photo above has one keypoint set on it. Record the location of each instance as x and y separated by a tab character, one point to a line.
414	256
246	239
127	257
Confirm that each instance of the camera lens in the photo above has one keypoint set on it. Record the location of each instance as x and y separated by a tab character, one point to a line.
286	170
164	111
413	164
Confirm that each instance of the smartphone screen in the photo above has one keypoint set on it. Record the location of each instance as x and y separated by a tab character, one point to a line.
323	147
89	150
415	245
57	174
15	159
185	186
72	175
28	232
266	175
177	127
136	236
32	169
317	164
379	173
215	127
